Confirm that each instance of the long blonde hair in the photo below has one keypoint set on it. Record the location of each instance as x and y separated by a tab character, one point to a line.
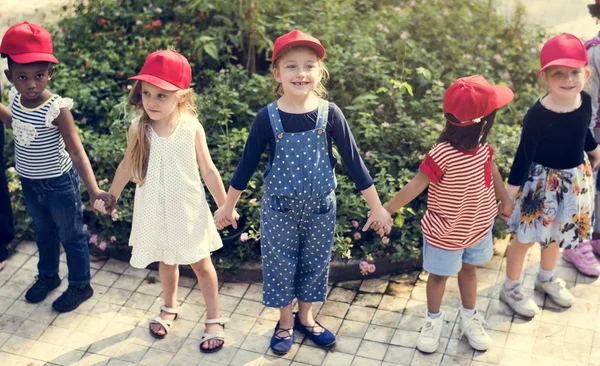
320	90
140	141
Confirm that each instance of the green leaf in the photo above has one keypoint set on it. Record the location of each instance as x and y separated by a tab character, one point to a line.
212	50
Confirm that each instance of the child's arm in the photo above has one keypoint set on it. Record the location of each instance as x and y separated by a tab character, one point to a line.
506	203
5	115
595	157
379	219
211	175
408	193
226	214
66	125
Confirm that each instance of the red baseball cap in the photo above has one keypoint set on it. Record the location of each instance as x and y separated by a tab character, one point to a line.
563	50
471	98
296	38
167	70
25	43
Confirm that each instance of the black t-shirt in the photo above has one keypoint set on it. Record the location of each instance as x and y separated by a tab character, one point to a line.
554	140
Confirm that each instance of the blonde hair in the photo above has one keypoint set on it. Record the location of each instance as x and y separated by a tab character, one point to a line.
140	141
320	90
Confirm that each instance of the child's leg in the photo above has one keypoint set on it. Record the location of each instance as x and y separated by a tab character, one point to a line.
547	283
511	292
169	278
436	285
515	256
467	285
207	280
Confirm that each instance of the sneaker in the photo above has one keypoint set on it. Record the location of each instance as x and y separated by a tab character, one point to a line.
429	339
595	244
583	258
42	286
72	298
516	300
557	290
472	327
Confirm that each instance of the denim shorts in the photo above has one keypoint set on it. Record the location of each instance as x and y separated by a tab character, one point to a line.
443	262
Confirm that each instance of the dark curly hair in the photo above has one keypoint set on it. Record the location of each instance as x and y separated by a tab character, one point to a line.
594	10
466	137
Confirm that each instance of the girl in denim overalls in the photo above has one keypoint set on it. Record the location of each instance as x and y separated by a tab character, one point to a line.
298	209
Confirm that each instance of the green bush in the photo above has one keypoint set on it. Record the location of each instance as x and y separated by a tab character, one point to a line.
390	63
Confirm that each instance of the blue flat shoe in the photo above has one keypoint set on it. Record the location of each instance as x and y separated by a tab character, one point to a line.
323	338
281	345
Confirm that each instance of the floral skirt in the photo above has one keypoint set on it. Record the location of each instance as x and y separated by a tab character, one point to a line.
555	206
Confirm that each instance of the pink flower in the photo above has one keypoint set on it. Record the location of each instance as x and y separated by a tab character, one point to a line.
357	236
498	58
355	224
404	35
371	268
386	124
113	239
94	239
102	245
385	240
368	154
363	266
244	237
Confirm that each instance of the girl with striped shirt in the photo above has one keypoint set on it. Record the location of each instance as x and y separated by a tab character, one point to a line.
461	205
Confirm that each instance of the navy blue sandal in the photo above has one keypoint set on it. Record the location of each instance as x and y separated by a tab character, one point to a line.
324	338
282	345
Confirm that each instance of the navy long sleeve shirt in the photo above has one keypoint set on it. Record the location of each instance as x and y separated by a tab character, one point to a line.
261	135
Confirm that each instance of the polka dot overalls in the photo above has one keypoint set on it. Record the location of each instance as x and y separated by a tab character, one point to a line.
297	214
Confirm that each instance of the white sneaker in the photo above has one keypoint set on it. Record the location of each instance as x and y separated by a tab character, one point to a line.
472	327
557	290
521	304
429	339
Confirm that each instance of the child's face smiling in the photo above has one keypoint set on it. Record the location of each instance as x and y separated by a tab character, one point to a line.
565	82
299	71
30	80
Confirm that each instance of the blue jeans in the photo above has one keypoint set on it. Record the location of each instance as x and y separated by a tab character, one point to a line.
55	205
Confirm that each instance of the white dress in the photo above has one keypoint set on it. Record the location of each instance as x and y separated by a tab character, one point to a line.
172	221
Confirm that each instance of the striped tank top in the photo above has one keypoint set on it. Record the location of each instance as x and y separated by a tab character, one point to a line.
39	147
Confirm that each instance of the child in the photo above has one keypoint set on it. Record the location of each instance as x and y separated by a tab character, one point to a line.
46	148
172	222
461	205
551	177
582	256
298	207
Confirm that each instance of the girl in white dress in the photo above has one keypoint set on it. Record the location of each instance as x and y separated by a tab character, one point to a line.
172	222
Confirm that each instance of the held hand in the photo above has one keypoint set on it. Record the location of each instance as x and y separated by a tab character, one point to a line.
379	220
224	217
505	210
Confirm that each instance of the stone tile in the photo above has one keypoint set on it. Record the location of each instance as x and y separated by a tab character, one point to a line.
554	317
228	303
27	247
113	265
520	342
420	293
224	356
263	327
170	344
17	259
329	322
241	322
42	351
137	272
80	340
4	337
149	288
156	357
399	289
91	359
243	357
104	278
391	303
17	345
361	361
595	356
55	335
129	283
182	293
31	329
21	309
13	290
334	308
549	347
498	338
374	350
367	299
353	329
10	324
256	343
254	293
583	337
421	359
129	316
379	333
399	355
140	336
99	291
105	310
271	314
188	282
577	353
249	307
405	338
360	314
68	320
338	359
190	312
386	318
116	296
275	361
459	349
415	307
498	322
341	295
235	289
347	344
140	301
375	285
583	321
491	356
512	357
310	355
448	360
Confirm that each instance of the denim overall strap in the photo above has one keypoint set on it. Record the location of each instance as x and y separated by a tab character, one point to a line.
322	114
275	119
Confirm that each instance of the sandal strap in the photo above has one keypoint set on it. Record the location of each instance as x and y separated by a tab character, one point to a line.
220	336
288	330
221	321
312	328
169	310
166	324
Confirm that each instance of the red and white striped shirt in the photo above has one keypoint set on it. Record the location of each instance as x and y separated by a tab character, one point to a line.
461	203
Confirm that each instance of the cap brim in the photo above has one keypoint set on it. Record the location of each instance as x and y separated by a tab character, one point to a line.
319	49
503	94
27	58
566	62
156	81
